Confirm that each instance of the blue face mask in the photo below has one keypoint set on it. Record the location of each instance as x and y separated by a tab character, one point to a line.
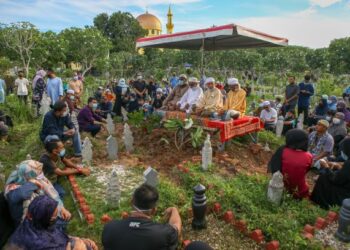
94	106
62	152
344	156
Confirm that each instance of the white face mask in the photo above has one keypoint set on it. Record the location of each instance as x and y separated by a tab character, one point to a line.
336	120
40	176
328	118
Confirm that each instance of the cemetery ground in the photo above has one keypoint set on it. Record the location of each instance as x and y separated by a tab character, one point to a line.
237	181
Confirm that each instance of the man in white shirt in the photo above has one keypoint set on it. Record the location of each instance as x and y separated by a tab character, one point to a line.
191	97
22	85
268	116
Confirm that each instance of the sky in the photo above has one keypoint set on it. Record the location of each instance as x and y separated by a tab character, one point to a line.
311	23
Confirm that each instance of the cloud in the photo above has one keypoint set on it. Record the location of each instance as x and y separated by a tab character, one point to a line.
324	3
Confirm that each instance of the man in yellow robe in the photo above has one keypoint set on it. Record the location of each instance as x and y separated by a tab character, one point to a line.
211	102
235	105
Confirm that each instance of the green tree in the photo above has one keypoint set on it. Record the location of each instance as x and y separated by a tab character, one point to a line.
121	28
21	38
85	46
339	55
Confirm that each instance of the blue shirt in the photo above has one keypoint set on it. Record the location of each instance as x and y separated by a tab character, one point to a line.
304	98
173	81
54	89
53	125
347	91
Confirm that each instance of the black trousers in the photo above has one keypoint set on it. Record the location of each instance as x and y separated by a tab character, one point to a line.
304	110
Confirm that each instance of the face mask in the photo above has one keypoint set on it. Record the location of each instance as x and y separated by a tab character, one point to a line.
75	78
329	101
344	156
40	176
94	106
72	97
132	100
62	152
336	120
181	82
328	118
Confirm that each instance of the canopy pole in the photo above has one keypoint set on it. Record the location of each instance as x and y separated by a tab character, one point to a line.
202	57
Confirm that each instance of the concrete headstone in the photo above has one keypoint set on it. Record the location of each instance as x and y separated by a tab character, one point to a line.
110	125
151	177
113	192
112	148
87	151
128	139
207	154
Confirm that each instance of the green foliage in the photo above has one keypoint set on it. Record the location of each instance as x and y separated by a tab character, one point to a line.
121	28
197	137
270	138
339	55
136	118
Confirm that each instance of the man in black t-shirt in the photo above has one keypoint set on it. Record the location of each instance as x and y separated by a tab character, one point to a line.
139	231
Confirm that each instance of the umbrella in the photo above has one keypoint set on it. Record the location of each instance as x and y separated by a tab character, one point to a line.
224	37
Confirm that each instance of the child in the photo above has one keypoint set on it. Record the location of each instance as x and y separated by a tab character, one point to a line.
158	100
290	122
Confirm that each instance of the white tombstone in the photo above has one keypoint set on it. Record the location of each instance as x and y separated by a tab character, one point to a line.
128	139
279	126
112	148
275	189
87	151
300	124
124	114
151	177
267	148
45	104
28	157
113	192
110	125
74	118
207	154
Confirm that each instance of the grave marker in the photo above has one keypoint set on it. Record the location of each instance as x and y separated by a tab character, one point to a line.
113	192
110	125
151	177
112	148
87	151
128	139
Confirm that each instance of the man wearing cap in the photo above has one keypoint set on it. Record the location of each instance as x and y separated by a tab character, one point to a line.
69	99
191	97
268	116
320	142
170	103
211	102
235	104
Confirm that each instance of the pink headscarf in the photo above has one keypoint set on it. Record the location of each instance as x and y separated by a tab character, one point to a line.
39	74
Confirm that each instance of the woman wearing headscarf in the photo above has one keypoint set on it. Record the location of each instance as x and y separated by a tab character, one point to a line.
320	111
341	107
332	187
26	183
293	161
122	92
38	88
38	233
337	129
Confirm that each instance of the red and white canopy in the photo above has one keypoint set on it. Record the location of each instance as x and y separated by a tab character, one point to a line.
225	37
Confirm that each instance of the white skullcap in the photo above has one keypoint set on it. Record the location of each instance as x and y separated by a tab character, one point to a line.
108	90
183	76
70	91
266	103
193	79
100	87
159	90
209	79
139	77
121	80
232	81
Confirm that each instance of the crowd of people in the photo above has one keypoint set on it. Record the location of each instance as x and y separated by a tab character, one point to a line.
34	195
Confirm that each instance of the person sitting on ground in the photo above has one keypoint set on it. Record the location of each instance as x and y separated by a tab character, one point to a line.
332	187
268	116
289	122
157	102
145	104
98	94
221	86
55	122
138	230
211	102
77	85
320	111
320	142
235	105
337	129
24	184
69	99
278	104
293	161
54	158
88	120
341	107
122	92
332	103
191	97
133	104
109	96
175	95
166	87
104	107
36	231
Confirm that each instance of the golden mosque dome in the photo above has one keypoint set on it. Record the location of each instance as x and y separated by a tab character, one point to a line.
151	23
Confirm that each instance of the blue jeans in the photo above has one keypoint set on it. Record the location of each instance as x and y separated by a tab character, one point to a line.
60	190
93	129
76	142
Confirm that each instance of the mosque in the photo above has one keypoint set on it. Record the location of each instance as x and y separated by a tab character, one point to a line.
152	24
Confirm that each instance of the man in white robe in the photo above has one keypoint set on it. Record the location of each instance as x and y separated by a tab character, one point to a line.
191	97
